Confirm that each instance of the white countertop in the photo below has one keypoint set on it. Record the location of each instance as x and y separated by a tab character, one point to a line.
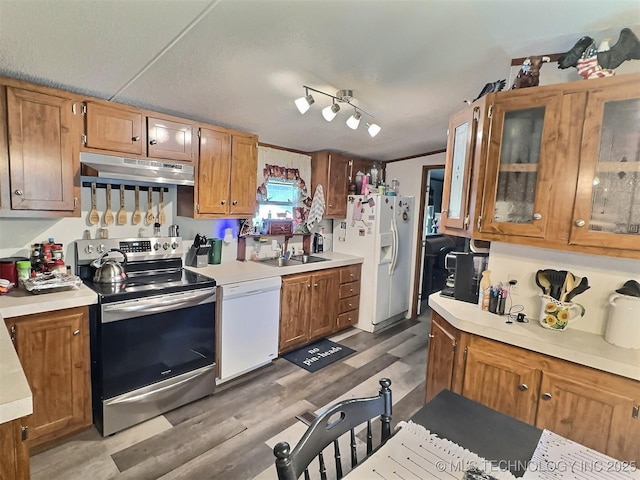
20	302
576	346
15	395
233	272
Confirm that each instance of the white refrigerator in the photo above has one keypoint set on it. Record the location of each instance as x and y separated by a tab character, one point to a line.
380	229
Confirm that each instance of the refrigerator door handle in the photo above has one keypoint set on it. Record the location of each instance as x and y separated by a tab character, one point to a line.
394	255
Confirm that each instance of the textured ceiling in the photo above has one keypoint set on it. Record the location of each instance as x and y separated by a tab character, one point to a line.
240	64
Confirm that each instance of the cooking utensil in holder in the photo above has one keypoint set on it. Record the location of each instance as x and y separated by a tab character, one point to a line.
198	256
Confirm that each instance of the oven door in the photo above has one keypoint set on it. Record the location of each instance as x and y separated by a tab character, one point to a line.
151	339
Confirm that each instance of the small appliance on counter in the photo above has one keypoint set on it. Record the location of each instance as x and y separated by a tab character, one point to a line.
198	254
318	243
465	271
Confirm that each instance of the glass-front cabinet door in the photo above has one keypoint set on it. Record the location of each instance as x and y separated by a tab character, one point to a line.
458	165
607	206
518	176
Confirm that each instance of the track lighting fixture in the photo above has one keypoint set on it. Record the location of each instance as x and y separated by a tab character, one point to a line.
330	112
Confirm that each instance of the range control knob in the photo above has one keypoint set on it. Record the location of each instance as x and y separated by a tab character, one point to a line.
156	246
165	245
88	249
174	245
101	248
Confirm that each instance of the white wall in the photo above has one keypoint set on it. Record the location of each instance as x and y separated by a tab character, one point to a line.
605	274
409	174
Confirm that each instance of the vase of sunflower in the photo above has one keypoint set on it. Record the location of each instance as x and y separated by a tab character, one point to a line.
556	315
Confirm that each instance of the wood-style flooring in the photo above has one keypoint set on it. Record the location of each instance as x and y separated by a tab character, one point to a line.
230	435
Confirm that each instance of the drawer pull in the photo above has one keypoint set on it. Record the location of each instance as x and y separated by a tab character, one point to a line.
546	396
523	387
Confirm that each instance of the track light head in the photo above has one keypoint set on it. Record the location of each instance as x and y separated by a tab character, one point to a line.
354	120
304	103
373	129
329	113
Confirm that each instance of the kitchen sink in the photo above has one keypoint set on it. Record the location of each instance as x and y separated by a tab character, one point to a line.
275	262
308	259
293	261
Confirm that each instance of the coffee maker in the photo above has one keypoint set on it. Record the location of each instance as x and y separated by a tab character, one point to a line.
465	271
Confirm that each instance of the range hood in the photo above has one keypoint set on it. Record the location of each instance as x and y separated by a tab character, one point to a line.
139	169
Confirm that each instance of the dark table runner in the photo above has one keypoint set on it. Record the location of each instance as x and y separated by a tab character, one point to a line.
506	441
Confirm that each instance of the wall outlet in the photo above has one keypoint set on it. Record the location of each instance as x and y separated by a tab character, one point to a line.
514	288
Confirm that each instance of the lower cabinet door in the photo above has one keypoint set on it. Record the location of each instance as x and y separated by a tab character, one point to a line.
440	364
502	383
14	452
591	415
53	349
294	311
324	303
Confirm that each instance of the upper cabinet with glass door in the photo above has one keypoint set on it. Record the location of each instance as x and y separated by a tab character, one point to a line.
607	206
463	169
521	155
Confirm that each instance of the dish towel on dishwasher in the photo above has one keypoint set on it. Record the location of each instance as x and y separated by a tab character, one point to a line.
317	208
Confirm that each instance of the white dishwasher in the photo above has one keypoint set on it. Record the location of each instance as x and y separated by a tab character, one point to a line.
249	327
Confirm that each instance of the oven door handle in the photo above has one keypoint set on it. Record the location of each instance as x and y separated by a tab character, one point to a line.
154	305
123	399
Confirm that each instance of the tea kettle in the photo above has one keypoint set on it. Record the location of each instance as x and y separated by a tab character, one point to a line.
110	270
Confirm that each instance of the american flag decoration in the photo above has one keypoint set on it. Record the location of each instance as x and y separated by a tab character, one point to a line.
588	66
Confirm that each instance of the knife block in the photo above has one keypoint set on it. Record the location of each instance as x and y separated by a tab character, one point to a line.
198	256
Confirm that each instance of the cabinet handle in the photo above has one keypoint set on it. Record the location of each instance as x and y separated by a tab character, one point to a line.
309	286
136	138
431	335
76	332
546	396
222	202
537	216
351	275
315	285
580	223
153	142
18	192
24	433
444	212
235	202
523	387
330	206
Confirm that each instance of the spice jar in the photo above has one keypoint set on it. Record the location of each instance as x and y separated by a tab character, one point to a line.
24	270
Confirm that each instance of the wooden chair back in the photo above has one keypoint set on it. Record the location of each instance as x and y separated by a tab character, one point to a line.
328	427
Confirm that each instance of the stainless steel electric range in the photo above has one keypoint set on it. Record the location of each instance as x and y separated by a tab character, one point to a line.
152	335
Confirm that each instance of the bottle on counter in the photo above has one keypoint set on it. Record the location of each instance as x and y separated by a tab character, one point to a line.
484	292
24	270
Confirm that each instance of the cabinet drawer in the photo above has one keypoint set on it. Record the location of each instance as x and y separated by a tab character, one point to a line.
350	273
348	319
280	228
349	289
347	304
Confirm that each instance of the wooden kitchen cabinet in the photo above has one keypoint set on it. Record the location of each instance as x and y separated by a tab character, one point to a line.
170	140
464	171
443	341
40	172
606	211
53	348
554	168
331	170
318	304
592	407
349	296
114	128
226	178
14	451
499	378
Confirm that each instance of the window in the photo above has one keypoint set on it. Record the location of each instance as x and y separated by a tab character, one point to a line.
278	199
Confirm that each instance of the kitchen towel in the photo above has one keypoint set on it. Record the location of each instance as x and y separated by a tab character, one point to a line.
317	208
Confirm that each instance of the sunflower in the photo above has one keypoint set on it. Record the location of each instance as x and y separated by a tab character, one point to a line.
550	320
563	316
550	307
